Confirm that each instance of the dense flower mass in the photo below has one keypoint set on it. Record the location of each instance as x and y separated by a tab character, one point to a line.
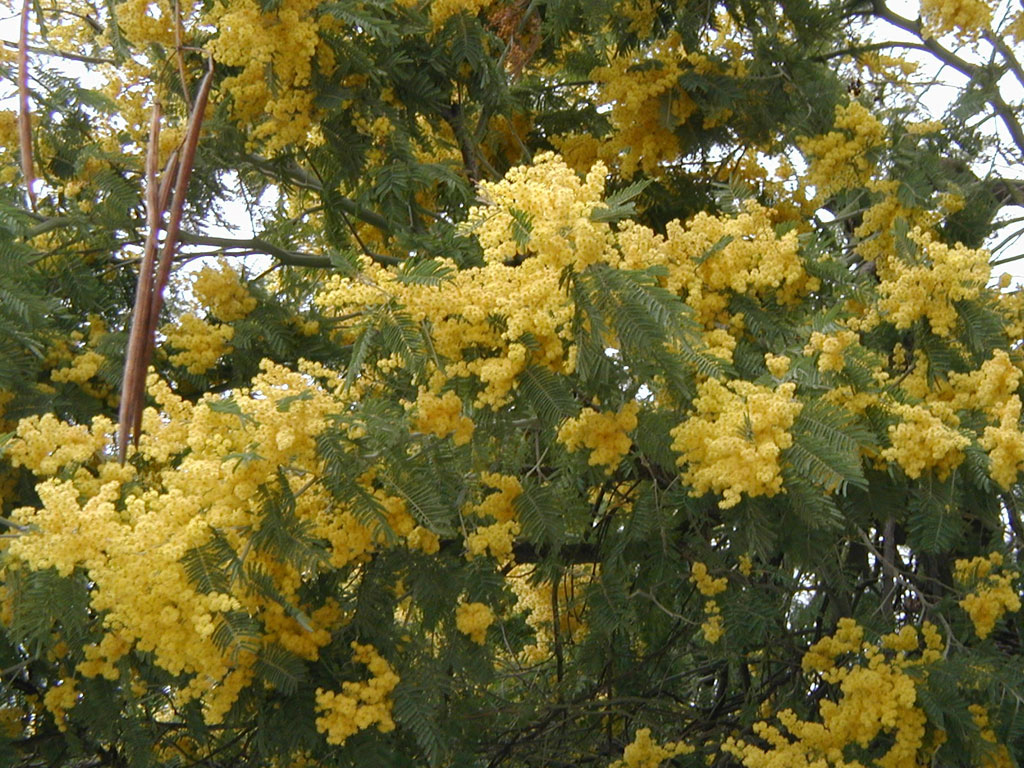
732	443
359	705
606	435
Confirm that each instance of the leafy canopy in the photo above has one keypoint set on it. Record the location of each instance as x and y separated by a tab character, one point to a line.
607	383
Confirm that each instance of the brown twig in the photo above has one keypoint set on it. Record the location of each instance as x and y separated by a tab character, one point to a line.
180	54
153	276
188	154
134	375
24	116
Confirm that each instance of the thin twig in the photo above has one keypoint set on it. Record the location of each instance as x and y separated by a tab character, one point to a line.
24	116
180	54
59	54
153	277
131	381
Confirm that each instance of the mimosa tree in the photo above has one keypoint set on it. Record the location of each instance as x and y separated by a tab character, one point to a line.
523	384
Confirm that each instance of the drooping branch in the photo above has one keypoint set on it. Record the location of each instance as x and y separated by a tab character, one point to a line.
964	67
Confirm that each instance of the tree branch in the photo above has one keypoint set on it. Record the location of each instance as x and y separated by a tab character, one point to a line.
283	255
964	67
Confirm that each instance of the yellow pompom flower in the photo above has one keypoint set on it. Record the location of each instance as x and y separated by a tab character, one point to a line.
473	619
604	434
732	443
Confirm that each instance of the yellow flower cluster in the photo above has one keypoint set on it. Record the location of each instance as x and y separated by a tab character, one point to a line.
966	20
143	22
778	365
473	619
604	434
128	531
711	257
461	311
839	159
201	344
58	699
944	275
361	704
84	362
922	442
499	505
424	540
544	210
831	347
731	444
283	41
442	416
536	598
642	88
442	10
645	752
877	705
45	445
221	291
993	594
497	538
706	584
1005	444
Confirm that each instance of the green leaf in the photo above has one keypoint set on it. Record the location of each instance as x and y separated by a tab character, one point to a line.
281	668
540	515
548	393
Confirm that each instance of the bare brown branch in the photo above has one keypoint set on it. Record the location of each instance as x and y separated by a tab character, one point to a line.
24	116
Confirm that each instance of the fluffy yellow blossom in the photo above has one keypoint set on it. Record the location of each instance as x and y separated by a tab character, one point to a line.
646	105
283	41
711	257
746	565
778	365
423	539
993	594
544	210
1005	444
964	19
732	443
877	705
840	158
712	626
221	291
922	442
98	516
645	752
499	505
201	344
46	445
473	619
605	434
497	538
536	598
442	416
928	289
360	704
706	584
830	346
58	699
442	10
995	758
